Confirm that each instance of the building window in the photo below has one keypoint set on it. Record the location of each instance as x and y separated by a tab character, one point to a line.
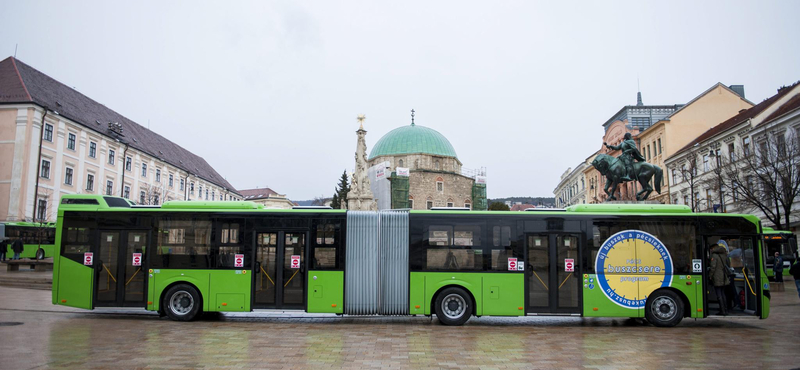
429	204
674	176
144	170
746	146
158	175
450	204
109	187
93	149
659	146
41	210
111	156
200	191
212	195
468	205
90	182
640	122
181	184
128	162
400	163
45	171
436	164
191	188
732	152
170	180
705	162
206	193
649	157
48	132
439	186
411	203
127	193
68	176
155	199
141	197
71	141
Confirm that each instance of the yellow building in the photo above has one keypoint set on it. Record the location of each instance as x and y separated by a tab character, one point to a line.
670	134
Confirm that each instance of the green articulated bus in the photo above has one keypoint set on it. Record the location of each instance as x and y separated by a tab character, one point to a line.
783	242
38	238
185	258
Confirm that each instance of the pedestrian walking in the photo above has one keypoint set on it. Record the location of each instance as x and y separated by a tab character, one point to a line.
719	276
3	249
17	247
777	268
795	271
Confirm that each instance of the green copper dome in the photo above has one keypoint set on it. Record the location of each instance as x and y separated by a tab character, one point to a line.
413	139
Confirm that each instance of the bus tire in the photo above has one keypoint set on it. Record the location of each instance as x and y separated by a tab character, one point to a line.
453	306
40	254
664	308
182	302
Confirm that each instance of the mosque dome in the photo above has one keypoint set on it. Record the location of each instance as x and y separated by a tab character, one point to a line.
412	139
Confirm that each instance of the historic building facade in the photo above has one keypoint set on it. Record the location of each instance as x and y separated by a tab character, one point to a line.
693	169
571	190
55	141
422	171
673	132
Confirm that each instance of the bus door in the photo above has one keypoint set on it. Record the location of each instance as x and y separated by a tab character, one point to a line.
551	273
279	271
120	268
743	290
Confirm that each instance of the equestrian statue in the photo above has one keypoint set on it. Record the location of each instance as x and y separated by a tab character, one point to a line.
630	166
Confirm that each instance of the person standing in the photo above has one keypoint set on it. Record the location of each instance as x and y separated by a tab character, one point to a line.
3	249
17	247
719	276
777	268
795	271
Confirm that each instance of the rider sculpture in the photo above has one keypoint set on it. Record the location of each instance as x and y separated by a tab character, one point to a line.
629	153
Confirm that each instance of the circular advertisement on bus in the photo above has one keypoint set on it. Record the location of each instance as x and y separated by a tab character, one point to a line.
630	265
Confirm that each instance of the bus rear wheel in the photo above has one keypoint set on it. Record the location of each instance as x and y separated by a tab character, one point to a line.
182	302
664	308
453	306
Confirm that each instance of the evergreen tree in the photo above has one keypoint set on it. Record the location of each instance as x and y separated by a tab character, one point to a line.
340	195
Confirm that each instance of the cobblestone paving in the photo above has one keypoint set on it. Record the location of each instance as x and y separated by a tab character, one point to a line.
57	337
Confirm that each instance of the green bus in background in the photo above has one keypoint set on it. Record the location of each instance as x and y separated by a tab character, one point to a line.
38	238
783	242
185	258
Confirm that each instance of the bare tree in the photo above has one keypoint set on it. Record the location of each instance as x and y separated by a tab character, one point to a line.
152	194
689	174
319	201
767	177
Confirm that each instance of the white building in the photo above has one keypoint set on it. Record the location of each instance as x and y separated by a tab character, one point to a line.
776	119
571	189
55	141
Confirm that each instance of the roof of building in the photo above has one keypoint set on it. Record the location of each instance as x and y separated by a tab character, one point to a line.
258	193
21	83
791	105
522	207
413	139
734	121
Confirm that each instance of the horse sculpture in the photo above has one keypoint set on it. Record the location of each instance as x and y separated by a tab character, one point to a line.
613	169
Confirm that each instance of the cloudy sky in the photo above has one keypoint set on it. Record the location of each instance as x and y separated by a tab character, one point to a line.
268	92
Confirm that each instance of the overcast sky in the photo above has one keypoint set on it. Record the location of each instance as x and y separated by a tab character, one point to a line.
268	92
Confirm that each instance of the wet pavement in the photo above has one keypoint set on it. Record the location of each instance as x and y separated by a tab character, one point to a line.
36	334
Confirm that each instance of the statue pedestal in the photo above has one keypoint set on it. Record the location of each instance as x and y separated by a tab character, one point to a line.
632	202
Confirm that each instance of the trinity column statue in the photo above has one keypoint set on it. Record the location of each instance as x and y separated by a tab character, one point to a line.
360	197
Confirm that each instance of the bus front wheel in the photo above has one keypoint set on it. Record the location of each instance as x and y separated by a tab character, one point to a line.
453	306
182	302
664	308
40	254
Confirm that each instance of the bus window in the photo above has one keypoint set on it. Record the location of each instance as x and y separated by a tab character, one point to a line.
230	245
75	241
453	247
679	237
504	246
324	252
183	242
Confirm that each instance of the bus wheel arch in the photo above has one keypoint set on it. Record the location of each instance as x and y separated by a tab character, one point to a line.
666	307
181	301
456	295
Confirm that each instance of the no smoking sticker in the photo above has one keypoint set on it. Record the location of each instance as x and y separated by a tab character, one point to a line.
295	262
137	259
88	258
512	264
569	265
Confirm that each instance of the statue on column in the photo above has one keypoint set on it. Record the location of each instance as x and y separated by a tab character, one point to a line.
624	169
360	197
